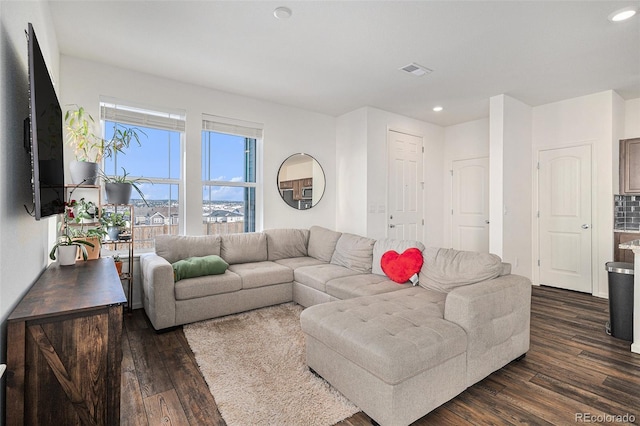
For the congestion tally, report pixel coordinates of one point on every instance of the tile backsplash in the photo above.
(627, 212)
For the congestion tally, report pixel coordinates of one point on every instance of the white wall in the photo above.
(286, 131)
(23, 241)
(517, 187)
(463, 141)
(578, 121)
(351, 172)
(632, 119)
(361, 154)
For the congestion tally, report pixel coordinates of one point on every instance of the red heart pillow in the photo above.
(401, 267)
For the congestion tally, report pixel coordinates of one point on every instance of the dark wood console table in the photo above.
(64, 348)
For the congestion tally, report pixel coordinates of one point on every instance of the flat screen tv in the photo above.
(45, 136)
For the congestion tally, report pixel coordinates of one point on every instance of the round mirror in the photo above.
(301, 181)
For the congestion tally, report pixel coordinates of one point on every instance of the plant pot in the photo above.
(92, 252)
(118, 193)
(67, 255)
(113, 232)
(84, 172)
(118, 267)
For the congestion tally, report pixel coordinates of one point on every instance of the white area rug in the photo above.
(254, 364)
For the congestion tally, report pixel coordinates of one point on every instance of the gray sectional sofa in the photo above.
(396, 350)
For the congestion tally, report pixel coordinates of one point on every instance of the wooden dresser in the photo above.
(64, 348)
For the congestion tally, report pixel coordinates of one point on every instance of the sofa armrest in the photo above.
(158, 291)
(495, 314)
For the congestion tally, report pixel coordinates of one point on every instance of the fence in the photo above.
(144, 235)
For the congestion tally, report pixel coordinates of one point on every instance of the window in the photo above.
(229, 177)
(157, 159)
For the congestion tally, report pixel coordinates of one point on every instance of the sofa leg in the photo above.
(521, 357)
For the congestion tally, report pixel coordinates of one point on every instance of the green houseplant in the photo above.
(66, 246)
(87, 146)
(118, 188)
(85, 213)
(113, 222)
(118, 262)
(90, 148)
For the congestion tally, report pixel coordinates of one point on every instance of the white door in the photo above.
(470, 205)
(564, 203)
(404, 186)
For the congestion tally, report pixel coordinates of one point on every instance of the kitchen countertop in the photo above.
(630, 245)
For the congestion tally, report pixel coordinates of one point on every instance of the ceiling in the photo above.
(333, 57)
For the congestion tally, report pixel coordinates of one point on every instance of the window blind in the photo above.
(133, 115)
(232, 126)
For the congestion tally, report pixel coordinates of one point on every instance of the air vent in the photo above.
(416, 69)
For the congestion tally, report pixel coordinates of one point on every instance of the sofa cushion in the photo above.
(322, 243)
(198, 266)
(354, 252)
(446, 269)
(394, 336)
(286, 243)
(316, 276)
(298, 262)
(361, 285)
(193, 288)
(260, 274)
(384, 245)
(178, 247)
(243, 248)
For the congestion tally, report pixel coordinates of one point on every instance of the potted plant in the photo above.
(118, 188)
(118, 262)
(90, 148)
(87, 146)
(113, 223)
(66, 247)
(84, 212)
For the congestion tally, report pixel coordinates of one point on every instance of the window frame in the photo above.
(247, 130)
(130, 114)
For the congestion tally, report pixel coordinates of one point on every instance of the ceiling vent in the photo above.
(416, 69)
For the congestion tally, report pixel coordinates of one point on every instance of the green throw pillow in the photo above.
(198, 267)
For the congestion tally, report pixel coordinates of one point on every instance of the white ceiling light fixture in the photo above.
(623, 14)
(437, 108)
(282, 12)
(416, 69)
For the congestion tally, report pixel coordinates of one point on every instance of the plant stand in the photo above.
(127, 273)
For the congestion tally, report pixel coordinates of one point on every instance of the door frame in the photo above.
(421, 180)
(535, 229)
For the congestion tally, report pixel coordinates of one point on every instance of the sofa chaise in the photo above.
(397, 351)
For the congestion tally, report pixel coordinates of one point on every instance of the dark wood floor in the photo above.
(572, 369)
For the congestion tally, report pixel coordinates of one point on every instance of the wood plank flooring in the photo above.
(573, 373)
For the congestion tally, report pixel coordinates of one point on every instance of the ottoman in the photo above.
(392, 354)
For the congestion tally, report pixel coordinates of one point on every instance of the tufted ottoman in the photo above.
(392, 354)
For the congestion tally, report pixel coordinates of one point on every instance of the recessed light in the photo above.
(437, 108)
(282, 12)
(623, 14)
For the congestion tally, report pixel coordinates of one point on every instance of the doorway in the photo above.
(564, 218)
(470, 204)
(404, 186)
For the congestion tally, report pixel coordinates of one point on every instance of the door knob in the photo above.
(585, 226)
(392, 226)
(486, 221)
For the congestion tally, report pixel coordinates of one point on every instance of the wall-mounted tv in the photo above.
(45, 140)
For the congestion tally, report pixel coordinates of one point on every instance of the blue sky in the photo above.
(159, 157)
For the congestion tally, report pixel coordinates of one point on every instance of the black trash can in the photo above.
(620, 323)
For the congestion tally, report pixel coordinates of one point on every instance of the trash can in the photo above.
(620, 323)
